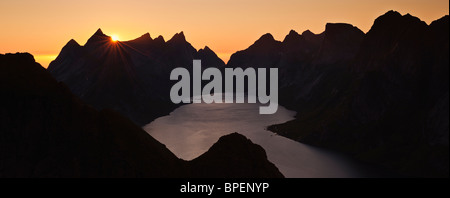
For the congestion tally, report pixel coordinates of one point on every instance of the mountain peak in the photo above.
(293, 35)
(393, 19)
(293, 32)
(178, 37)
(160, 39)
(394, 16)
(338, 26)
(267, 37)
(238, 149)
(412, 18)
(389, 17)
(392, 13)
(98, 36)
(307, 33)
(144, 37)
(72, 42)
(265, 40)
(206, 49)
(99, 32)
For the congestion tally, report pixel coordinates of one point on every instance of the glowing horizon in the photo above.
(42, 28)
(114, 37)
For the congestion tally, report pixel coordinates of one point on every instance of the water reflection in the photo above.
(192, 129)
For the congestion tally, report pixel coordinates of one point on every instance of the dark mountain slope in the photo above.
(236, 148)
(46, 131)
(389, 107)
(264, 53)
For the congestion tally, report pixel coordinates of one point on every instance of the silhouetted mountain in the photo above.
(239, 149)
(97, 40)
(131, 77)
(209, 58)
(341, 43)
(302, 47)
(309, 65)
(382, 97)
(142, 43)
(46, 131)
(263, 53)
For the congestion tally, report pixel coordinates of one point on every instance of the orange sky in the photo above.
(43, 27)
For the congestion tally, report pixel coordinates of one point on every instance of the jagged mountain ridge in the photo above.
(377, 96)
(131, 77)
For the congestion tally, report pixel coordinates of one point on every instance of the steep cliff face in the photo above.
(46, 131)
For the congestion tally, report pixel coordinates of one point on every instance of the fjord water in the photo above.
(192, 129)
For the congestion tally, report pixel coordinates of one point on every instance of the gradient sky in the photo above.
(43, 27)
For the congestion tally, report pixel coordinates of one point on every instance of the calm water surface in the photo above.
(192, 129)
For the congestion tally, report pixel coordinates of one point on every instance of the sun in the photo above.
(114, 38)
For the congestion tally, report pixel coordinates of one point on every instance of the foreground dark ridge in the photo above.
(46, 131)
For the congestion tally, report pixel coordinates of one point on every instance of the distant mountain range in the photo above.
(131, 77)
(380, 96)
(46, 131)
